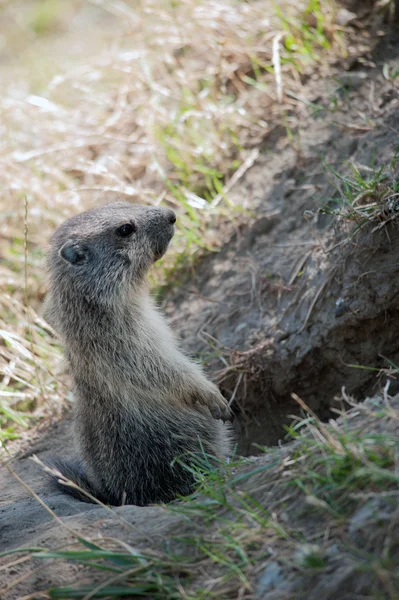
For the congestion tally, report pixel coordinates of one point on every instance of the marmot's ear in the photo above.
(75, 253)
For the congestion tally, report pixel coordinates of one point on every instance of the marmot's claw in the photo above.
(216, 412)
(215, 402)
(224, 413)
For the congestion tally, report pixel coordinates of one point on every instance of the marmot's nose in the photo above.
(170, 215)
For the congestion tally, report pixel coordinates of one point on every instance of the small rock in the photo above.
(344, 17)
(373, 511)
(240, 327)
(269, 580)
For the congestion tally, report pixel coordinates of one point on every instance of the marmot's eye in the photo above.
(126, 230)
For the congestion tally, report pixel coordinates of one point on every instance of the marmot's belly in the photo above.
(142, 459)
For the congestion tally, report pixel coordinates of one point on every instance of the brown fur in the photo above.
(141, 405)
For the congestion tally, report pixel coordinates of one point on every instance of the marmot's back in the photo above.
(142, 407)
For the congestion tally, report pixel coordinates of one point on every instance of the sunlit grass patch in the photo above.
(157, 102)
(169, 114)
(29, 359)
(309, 32)
(367, 195)
(347, 463)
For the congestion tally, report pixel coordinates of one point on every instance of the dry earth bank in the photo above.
(297, 302)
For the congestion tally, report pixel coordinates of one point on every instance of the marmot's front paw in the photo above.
(216, 403)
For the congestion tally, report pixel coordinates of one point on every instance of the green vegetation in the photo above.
(308, 33)
(367, 195)
(244, 515)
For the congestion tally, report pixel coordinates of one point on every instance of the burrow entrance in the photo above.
(348, 339)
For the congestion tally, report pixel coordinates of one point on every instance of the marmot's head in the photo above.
(104, 250)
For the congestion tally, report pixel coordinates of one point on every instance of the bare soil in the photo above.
(269, 299)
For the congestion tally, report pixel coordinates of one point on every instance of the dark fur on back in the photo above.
(141, 406)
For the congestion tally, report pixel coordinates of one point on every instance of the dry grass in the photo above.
(146, 101)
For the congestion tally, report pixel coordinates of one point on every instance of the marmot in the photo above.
(141, 406)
